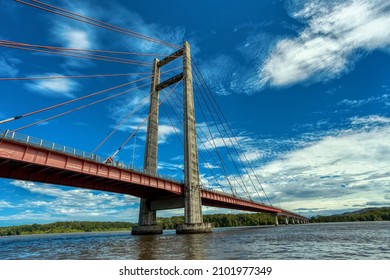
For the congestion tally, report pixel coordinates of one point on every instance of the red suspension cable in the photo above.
(79, 108)
(98, 23)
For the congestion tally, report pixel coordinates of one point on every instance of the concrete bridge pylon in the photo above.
(193, 218)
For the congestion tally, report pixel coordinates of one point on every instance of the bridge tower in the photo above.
(193, 219)
(147, 221)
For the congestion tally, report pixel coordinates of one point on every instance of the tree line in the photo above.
(377, 214)
(218, 220)
(223, 220)
(65, 227)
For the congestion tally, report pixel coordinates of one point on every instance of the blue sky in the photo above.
(305, 88)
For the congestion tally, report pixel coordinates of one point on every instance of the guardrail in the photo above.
(48, 145)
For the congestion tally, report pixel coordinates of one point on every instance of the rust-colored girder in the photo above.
(23, 161)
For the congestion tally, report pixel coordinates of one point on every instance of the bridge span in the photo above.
(31, 159)
(27, 158)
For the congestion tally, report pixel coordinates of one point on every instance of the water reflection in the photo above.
(191, 246)
(147, 246)
(196, 246)
(368, 240)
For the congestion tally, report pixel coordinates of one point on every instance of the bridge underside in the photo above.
(26, 162)
(49, 175)
(32, 163)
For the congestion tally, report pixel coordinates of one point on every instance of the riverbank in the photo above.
(65, 227)
(218, 221)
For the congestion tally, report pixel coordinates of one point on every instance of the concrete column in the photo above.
(151, 147)
(193, 219)
(147, 223)
(286, 220)
(276, 220)
(293, 221)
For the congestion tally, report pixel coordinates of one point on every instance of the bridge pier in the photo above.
(147, 221)
(276, 220)
(147, 229)
(286, 220)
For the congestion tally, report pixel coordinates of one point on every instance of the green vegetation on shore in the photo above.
(65, 227)
(368, 214)
(223, 220)
(218, 220)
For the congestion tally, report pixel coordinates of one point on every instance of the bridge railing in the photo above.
(15, 136)
(231, 195)
(48, 145)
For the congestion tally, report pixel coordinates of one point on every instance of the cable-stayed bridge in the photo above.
(29, 158)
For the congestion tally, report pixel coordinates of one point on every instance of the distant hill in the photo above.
(366, 214)
(365, 210)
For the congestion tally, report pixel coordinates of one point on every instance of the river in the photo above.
(361, 240)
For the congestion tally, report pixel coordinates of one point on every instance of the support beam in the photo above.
(276, 220)
(169, 82)
(286, 220)
(168, 203)
(147, 221)
(170, 58)
(193, 219)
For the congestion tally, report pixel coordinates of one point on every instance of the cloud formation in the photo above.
(64, 203)
(336, 35)
(8, 66)
(351, 168)
(54, 87)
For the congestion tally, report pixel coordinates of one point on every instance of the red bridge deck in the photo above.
(31, 159)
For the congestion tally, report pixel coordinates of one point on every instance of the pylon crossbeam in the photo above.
(170, 58)
(169, 82)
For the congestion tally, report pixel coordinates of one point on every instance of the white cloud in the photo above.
(328, 47)
(76, 38)
(210, 166)
(350, 169)
(5, 204)
(251, 155)
(72, 203)
(164, 131)
(236, 73)
(219, 73)
(370, 120)
(54, 87)
(218, 142)
(131, 20)
(72, 34)
(171, 166)
(8, 66)
(384, 99)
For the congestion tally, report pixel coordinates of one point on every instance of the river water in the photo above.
(362, 240)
